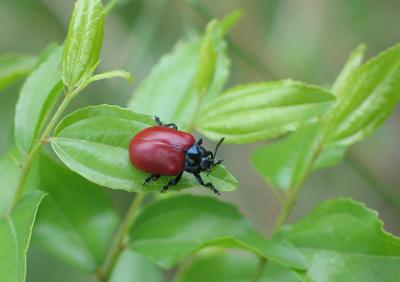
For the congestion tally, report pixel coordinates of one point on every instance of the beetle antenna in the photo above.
(216, 148)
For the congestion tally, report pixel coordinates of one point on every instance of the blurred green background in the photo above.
(300, 39)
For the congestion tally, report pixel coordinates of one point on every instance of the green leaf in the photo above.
(37, 96)
(254, 112)
(222, 72)
(168, 91)
(229, 21)
(94, 142)
(10, 173)
(284, 161)
(368, 99)
(207, 61)
(132, 267)
(111, 74)
(352, 66)
(14, 67)
(217, 266)
(161, 233)
(169, 86)
(15, 230)
(344, 241)
(76, 220)
(84, 41)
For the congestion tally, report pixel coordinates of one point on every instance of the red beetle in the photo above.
(161, 150)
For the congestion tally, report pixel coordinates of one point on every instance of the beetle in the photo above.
(165, 150)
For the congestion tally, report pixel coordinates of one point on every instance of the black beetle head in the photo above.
(207, 163)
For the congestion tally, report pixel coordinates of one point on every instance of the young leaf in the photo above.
(207, 61)
(161, 233)
(220, 266)
(344, 241)
(134, 267)
(229, 21)
(13, 67)
(94, 142)
(255, 112)
(37, 89)
(368, 99)
(282, 163)
(168, 91)
(352, 66)
(84, 41)
(67, 224)
(222, 72)
(111, 74)
(15, 230)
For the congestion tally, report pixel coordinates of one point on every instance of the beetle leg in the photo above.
(166, 125)
(209, 184)
(151, 177)
(172, 182)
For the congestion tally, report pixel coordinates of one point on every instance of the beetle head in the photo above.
(207, 163)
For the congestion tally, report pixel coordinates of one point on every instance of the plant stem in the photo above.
(36, 149)
(259, 269)
(191, 125)
(294, 192)
(119, 244)
(385, 192)
(288, 204)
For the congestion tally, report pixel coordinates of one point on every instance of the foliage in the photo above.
(73, 218)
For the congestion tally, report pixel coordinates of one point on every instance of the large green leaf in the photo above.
(217, 266)
(344, 241)
(168, 91)
(94, 142)
(283, 162)
(37, 96)
(132, 267)
(76, 220)
(84, 41)
(13, 67)
(254, 112)
(367, 99)
(168, 230)
(10, 173)
(15, 230)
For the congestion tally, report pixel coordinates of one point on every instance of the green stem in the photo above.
(191, 126)
(25, 170)
(294, 192)
(385, 192)
(119, 243)
(288, 204)
(260, 267)
(36, 149)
